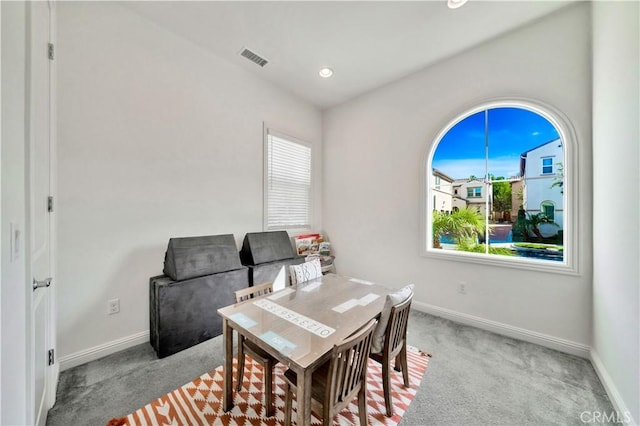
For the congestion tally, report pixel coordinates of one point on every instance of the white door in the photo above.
(40, 142)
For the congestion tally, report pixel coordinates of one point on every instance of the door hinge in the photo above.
(49, 204)
(52, 358)
(51, 51)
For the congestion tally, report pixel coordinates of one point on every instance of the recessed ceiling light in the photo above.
(325, 72)
(454, 4)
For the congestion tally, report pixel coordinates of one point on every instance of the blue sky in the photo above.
(512, 131)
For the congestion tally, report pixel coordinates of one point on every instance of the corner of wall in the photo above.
(621, 410)
(100, 351)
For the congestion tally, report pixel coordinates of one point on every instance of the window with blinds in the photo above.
(287, 182)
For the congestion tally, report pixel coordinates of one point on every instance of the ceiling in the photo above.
(367, 44)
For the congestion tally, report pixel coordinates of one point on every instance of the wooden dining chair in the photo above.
(247, 347)
(255, 291)
(394, 347)
(335, 383)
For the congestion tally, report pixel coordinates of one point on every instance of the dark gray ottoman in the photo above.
(201, 275)
(266, 253)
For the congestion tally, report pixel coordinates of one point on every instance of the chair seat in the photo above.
(257, 353)
(380, 358)
(377, 357)
(318, 380)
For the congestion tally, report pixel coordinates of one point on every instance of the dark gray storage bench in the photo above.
(266, 253)
(201, 275)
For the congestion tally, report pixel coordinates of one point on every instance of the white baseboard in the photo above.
(91, 354)
(541, 339)
(616, 399)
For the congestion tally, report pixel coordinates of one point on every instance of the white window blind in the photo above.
(288, 182)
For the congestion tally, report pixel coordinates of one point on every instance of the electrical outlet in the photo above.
(462, 287)
(113, 306)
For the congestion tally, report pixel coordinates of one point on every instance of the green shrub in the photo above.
(472, 247)
(539, 246)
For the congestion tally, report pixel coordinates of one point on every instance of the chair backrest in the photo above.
(255, 291)
(396, 330)
(306, 271)
(348, 368)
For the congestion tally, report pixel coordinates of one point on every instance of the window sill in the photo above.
(566, 267)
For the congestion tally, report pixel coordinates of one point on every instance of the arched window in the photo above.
(506, 167)
(548, 209)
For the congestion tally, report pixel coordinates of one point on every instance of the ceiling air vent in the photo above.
(253, 57)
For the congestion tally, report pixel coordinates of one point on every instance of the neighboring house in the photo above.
(442, 192)
(472, 193)
(459, 202)
(540, 167)
(451, 195)
(517, 190)
(517, 196)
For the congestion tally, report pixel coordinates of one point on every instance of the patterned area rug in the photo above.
(199, 402)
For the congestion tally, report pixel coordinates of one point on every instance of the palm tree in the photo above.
(463, 224)
(533, 220)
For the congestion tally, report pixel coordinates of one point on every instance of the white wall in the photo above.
(157, 138)
(14, 291)
(372, 212)
(616, 232)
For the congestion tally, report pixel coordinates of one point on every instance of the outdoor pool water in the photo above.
(502, 234)
(541, 254)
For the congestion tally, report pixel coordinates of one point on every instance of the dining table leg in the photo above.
(227, 386)
(304, 397)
